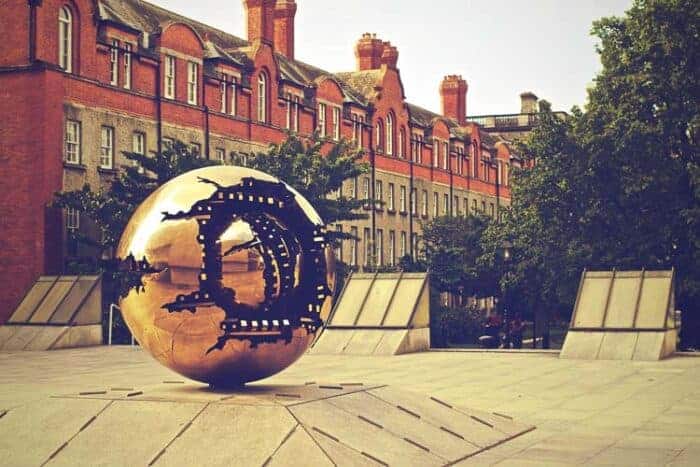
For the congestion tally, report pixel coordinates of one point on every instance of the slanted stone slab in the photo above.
(582, 345)
(364, 341)
(299, 450)
(31, 434)
(332, 341)
(22, 337)
(618, 345)
(46, 337)
(649, 346)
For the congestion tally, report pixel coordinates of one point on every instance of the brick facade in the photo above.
(436, 157)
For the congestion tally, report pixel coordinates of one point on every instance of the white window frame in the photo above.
(222, 94)
(378, 194)
(127, 65)
(336, 123)
(220, 154)
(391, 253)
(353, 246)
(196, 148)
(288, 117)
(424, 206)
(446, 156)
(106, 147)
(402, 143)
(403, 244)
(402, 198)
(321, 117)
(73, 138)
(192, 82)
(390, 198)
(445, 204)
(414, 201)
(114, 63)
(436, 203)
(65, 39)
(169, 77)
(72, 219)
(233, 88)
(380, 247)
(436, 154)
(262, 97)
(365, 189)
(138, 146)
(389, 137)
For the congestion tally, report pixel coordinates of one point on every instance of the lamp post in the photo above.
(506, 254)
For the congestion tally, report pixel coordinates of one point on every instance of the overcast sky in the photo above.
(501, 47)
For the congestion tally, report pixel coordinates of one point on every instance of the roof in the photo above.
(363, 82)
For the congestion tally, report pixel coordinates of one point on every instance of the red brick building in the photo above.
(83, 80)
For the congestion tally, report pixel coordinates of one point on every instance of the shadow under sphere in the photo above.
(233, 275)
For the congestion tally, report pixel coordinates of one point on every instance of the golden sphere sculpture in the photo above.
(229, 272)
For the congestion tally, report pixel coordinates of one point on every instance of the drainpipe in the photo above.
(32, 29)
(372, 183)
(410, 190)
(449, 168)
(159, 104)
(206, 118)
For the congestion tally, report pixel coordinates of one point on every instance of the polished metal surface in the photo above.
(234, 275)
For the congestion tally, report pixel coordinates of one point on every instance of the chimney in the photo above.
(369, 52)
(453, 92)
(390, 55)
(260, 15)
(284, 27)
(528, 103)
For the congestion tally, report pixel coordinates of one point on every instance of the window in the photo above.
(365, 190)
(465, 206)
(322, 120)
(220, 154)
(167, 143)
(72, 219)
(460, 159)
(222, 93)
(107, 147)
(336, 123)
(65, 39)
(192, 77)
(436, 206)
(455, 206)
(436, 154)
(445, 204)
(483, 207)
(402, 143)
(262, 97)
(486, 171)
(424, 204)
(390, 198)
(353, 246)
(414, 244)
(353, 188)
(138, 146)
(379, 130)
(474, 206)
(446, 156)
(169, 77)
(339, 244)
(492, 211)
(414, 195)
(402, 245)
(402, 199)
(380, 247)
(378, 195)
(114, 63)
(391, 253)
(72, 148)
(357, 121)
(195, 149)
(233, 88)
(368, 247)
(389, 134)
(288, 119)
(127, 66)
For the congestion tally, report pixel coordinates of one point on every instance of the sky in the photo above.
(501, 47)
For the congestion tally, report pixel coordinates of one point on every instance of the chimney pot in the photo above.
(453, 93)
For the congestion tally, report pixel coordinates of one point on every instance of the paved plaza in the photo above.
(585, 412)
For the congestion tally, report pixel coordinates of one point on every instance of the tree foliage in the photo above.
(615, 185)
(317, 171)
(452, 248)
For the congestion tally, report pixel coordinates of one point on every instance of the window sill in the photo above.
(74, 166)
(391, 211)
(403, 213)
(106, 171)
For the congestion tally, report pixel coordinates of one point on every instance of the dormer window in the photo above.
(65, 39)
(192, 78)
(114, 63)
(379, 131)
(402, 143)
(321, 120)
(389, 135)
(127, 66)
(336, 123)
(169, 85)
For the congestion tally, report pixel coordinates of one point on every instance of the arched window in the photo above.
(380, 135)
(389, 135)
(402, 143)
(65, 39)
(262, 97)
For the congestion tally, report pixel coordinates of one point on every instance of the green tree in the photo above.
(617, 184)
(317, 170)
(452, 248)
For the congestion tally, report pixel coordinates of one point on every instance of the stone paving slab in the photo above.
(648, 411)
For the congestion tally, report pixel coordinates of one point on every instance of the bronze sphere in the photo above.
(231, 275)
